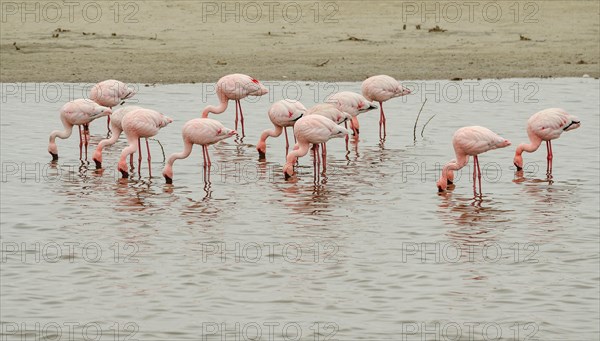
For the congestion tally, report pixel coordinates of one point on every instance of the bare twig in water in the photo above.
(422, 130)
(417, 120)
(161, 148)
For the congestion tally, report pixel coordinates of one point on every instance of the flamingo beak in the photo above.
(168, 180)
(297, 118)
(98, 164)
(124, 174)
(518, 168)
(54, 156)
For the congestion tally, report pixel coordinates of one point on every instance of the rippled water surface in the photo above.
(369, 251)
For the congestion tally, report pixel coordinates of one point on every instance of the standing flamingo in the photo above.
(470, 141)
(283, 114)
(313, 129)
(115, 123)
(202, 131)
(110, 93)
(353, 104)
(79, 112)
(137, 124)
(382, 88)
(545, 125)
(235, 87)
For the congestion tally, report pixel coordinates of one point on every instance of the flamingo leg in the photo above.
(242, 118)
(204, 156)
(549, 157)
(86, 138)
(479, 175)
(324, 153)
(236, 114)
(287, 143)
(108, 126)
(80, 143)
(314, 152)
(208, 157)
(139, 150)
(131, 160)
(347, 138)
(381, 121)
(475, 175)
(149, 158)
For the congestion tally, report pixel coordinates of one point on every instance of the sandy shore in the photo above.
(199, 41)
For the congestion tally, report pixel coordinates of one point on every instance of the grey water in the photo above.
(369, 250)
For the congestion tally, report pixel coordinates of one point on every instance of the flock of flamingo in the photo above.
(313, 126)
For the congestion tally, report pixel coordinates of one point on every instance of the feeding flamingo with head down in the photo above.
(545, 125)
(382, 88)
(110, 93)
(470, 141)
(115, 123)
(202, 131)
(283, 114)
(235, 87)
(137, 124)
(79, 112)
(311, 129)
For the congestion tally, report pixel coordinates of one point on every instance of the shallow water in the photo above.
(369, 251)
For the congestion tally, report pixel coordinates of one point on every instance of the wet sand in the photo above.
(189, 41)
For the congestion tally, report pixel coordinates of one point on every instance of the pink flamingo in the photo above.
(115, 123)
(283, 114)
(332, 112)
(545, 125)
(235, 87)
(382, 88)
(353, 104)
(470, 141)
(202, 131)
(137, 124)
(110, 93)
(313, 129)
(79, 112)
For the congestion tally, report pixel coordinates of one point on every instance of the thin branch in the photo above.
(422, 130)
(417, 120)
(161, 148)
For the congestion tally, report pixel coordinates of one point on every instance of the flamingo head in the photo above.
(446, 178)
(368, 107)
(98, 157)
(288, 170)
(403, 91)
(53, 150)
(574, 124)
(339, 131)
(123, 169)
(502, 143)
(168, 174)
(518, 161)
(261, 147)
(164, 121)
(100, 111)
(256, 88)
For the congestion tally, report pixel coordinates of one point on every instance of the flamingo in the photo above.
(313, 129)
(330, 111)
(283, 114)
(202, 131)
(115, 123)
(79, 112)
(137, 124)
(353, 104)
(110, 93)
(470, 141)
(382, 88)
(235, 87)
(545, 125)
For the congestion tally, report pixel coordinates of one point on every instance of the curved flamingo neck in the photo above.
(216, 109)
(116, 133)
(271, 133)
(454, 165)
(295, 154)
(132, 148)
(63, 134)
(187, 150)
(531, 147)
